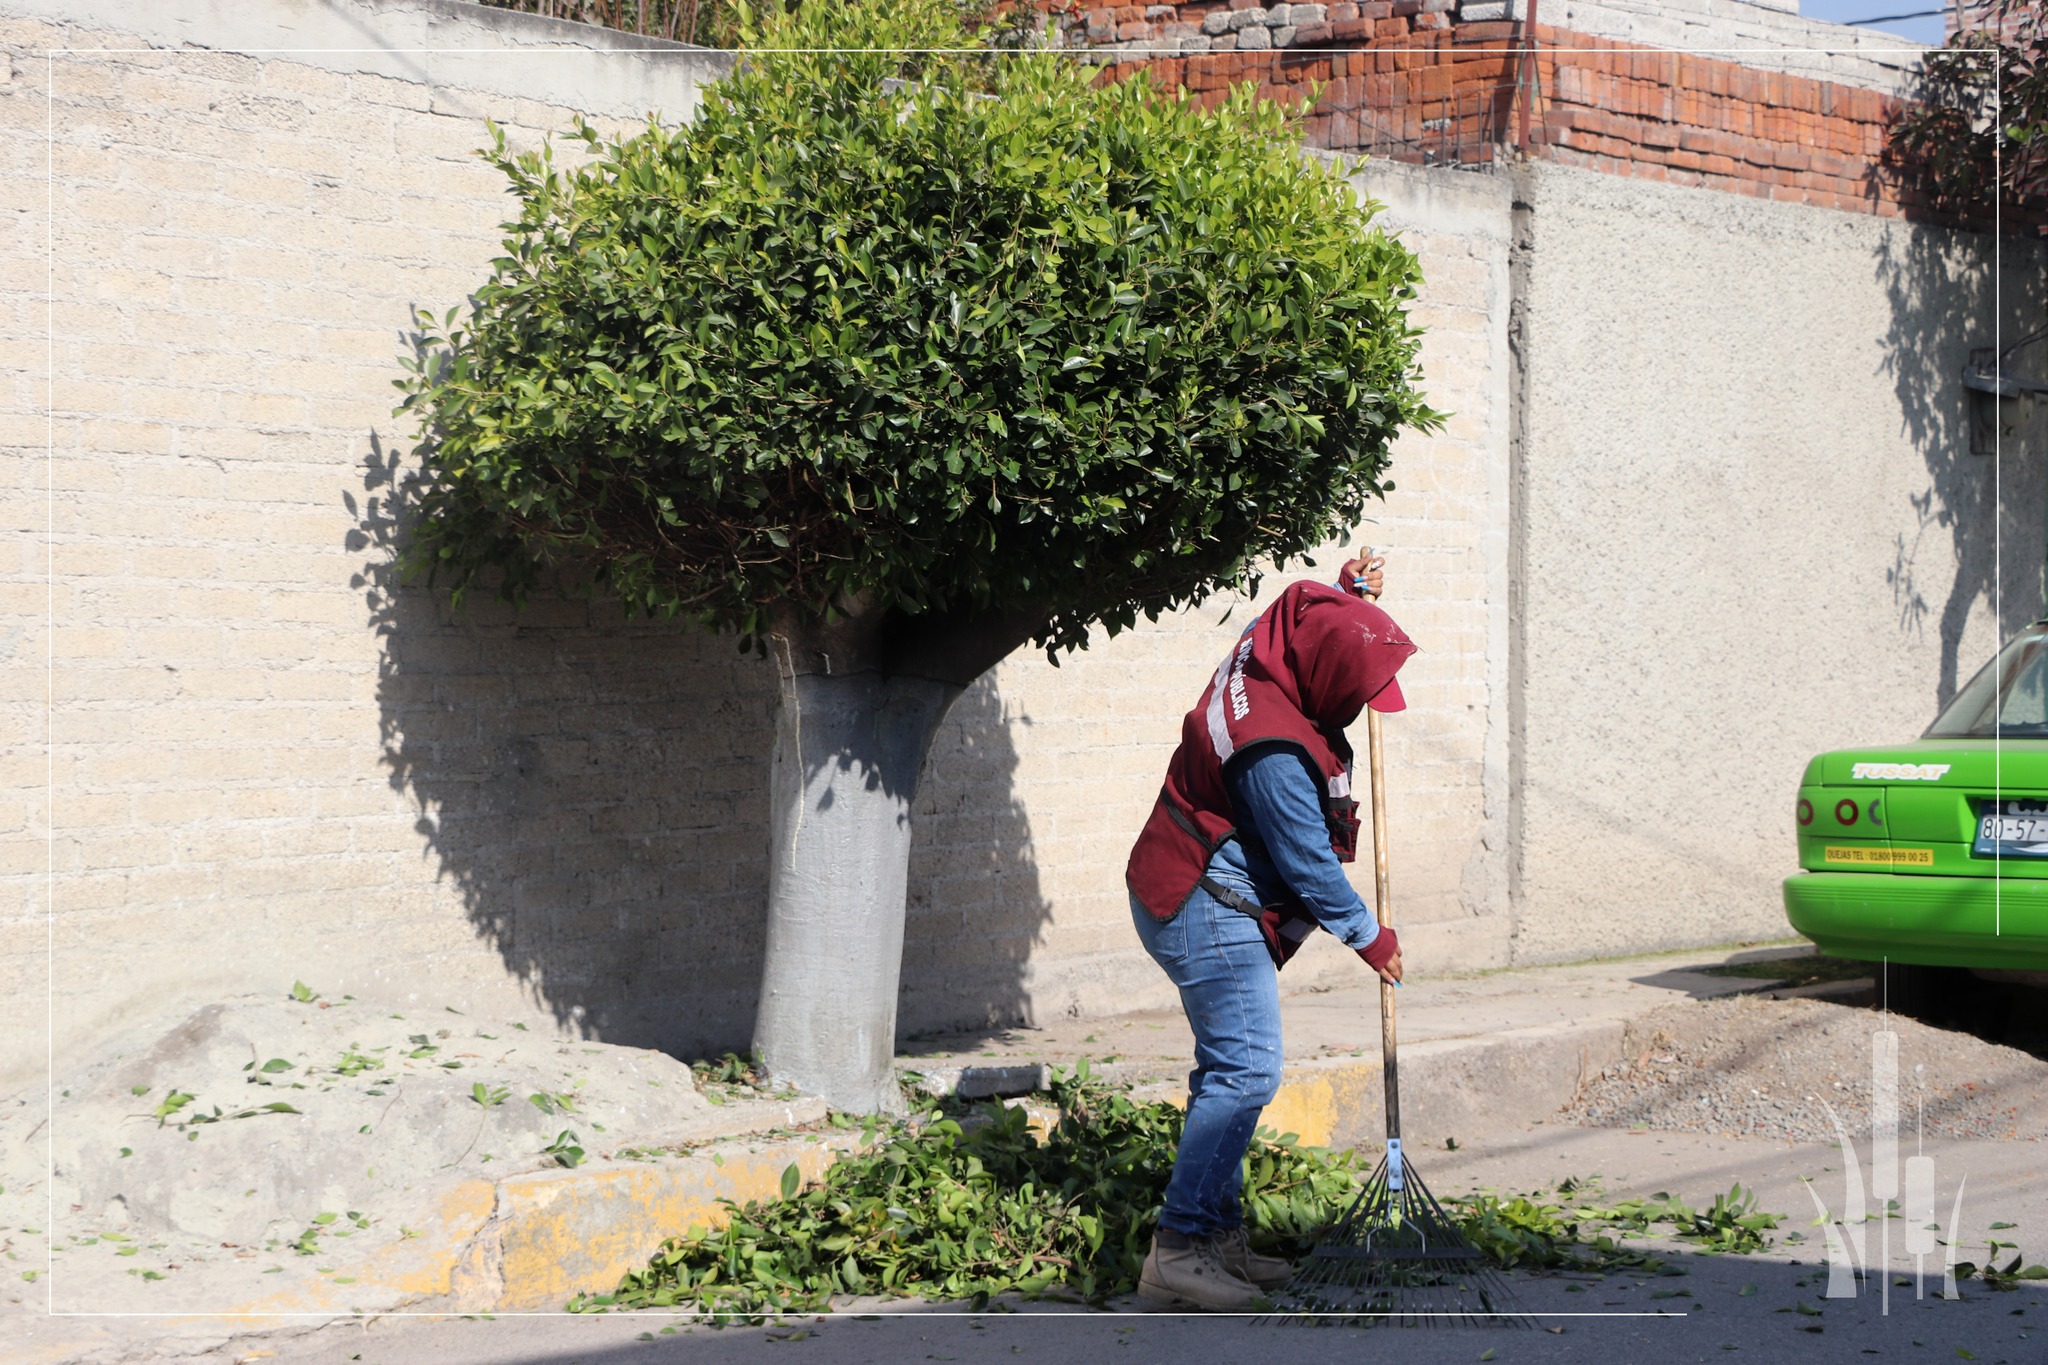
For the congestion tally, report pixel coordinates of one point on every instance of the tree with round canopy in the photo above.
(897, 356)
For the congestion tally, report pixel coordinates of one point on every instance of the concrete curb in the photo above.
(531, 1242)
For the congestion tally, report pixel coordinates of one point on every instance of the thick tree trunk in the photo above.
(848, 749)
(860, 703)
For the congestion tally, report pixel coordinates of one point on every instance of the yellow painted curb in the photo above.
(561, 1233)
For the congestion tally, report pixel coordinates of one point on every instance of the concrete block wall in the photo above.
(269, 761)
(1748, 529)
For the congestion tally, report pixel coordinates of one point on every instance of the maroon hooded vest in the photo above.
(1298, 675)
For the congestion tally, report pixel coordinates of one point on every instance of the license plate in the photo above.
(2011, 829)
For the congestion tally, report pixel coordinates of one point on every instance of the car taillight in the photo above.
(1845, 811)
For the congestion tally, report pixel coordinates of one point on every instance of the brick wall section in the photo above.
(1397, 71)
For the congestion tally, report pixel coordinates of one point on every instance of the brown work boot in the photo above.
(1267, 1272)
(1188, 1272)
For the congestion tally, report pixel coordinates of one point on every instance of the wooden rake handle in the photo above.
(1375, 762)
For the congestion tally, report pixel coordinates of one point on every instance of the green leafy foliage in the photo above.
(1569, 1230)
(564, 1149)
(354, 1062)
(1978, 131)
(949, 1210)
(172, 1103)
(1002, 336)
(2003, 1277)
(952, 1209)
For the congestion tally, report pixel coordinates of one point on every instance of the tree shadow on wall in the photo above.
(594, 790)
(1944, 301)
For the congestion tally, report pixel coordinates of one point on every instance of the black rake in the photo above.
(1395, 1257)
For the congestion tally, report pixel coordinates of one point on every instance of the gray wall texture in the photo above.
(1747, 530)
(1701, 509)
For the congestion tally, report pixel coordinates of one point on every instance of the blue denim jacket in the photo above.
(1275, 801)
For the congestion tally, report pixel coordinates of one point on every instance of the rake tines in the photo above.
(1396, 1257)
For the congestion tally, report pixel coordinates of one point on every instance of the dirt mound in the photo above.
(1753, 1067)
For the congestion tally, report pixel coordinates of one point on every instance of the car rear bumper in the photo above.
(1940, 921)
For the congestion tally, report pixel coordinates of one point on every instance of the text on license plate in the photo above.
(2013, 829)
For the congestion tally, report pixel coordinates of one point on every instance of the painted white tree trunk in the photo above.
(848, 750)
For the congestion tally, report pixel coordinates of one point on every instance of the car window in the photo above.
(2008, 697)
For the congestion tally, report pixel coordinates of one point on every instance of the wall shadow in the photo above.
(1944, 295)
(976, 910)
(594, 789)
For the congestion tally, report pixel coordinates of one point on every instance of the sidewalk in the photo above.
(1478, 1054)
(1472, 1048)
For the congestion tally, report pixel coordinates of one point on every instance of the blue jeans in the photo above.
(1231, 993)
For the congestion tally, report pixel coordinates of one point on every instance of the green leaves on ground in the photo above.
(176, 1101)
(730, 1077)
(1006, 337)
(959, 1210)
(355, 1062)
(490, 1097)
(1568, 1230)
(1995, 1276)
(564, 1149)
(969, 1207)
(172, 1103)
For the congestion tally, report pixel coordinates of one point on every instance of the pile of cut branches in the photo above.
(968, 1206)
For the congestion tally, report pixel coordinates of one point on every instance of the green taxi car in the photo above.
(1934, 853)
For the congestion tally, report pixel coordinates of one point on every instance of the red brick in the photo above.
(1662, 136)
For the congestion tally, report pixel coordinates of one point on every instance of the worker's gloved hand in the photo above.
(1383, 954)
